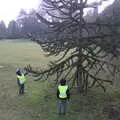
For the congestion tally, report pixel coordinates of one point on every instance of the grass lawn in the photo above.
(39, 101)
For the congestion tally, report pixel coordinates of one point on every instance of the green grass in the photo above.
(39, 102)
(21, 53)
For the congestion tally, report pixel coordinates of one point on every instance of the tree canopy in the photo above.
(88, 47)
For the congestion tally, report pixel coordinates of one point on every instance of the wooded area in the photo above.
(25, 23)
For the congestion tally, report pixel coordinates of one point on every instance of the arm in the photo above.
(18, 82)
(58, 93)
(68, 94)
(25, 73)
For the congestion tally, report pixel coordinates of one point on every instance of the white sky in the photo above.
(9, 9)
(104, 4)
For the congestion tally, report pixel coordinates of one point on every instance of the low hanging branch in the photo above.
(86, 47)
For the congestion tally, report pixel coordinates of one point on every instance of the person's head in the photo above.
(63, 82)
(18, 72)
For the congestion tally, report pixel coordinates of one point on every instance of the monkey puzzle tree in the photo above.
(84, 48)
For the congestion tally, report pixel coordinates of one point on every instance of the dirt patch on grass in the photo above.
(1, 66)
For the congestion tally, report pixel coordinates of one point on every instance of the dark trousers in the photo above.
(62, 106)
(21, 89)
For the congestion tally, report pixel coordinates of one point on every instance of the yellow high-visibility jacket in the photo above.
(62, 91)
(21, 78)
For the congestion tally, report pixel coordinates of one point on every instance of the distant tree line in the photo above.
(28, 23)
(25, 23)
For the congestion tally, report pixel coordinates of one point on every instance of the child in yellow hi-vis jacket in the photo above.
(21, 81)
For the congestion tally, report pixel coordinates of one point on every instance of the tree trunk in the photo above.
(79, 75)
(79, 81)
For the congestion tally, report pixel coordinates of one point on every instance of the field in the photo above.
(39, 101)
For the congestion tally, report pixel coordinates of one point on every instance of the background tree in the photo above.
(25, 23)
(29, 23)
(3, 30)
(13, 30)
(112, 14)
(88, 47)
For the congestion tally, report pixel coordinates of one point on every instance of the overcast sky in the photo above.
(9, 9)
